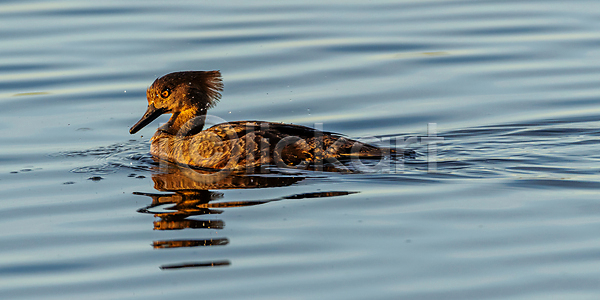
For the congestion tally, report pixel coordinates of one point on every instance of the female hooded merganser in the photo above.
(234, 145)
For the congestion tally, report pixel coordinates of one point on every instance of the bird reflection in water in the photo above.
(190, 196)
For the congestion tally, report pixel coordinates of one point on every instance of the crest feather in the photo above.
(214, 86)
(206, 85)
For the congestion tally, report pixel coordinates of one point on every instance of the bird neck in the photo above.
(185, 123)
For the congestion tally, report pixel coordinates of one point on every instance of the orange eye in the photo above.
(165, 93)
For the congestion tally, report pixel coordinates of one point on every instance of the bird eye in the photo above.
(165, 93)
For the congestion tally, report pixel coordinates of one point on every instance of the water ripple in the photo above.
(510, 209)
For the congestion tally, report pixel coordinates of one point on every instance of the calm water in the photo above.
(512, 211)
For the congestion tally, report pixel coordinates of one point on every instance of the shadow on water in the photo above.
(191, 196)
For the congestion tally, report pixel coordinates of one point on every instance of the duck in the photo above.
(188, 95)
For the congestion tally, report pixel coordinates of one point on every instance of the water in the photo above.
(511, 211)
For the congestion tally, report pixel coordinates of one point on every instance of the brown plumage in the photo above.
(234, 145)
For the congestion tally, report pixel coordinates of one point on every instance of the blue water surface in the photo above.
(508, 211)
